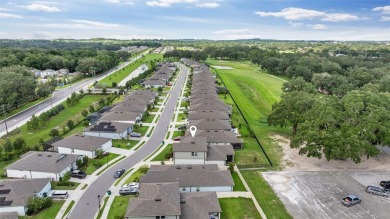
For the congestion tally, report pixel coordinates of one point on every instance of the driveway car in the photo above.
(128, 191)
(135, 134)
(377, 191)
(78, 174)
(119, 173)
(350, 200)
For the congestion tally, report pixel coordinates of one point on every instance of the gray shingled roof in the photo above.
(155, 200)
(190, 144)
(119, 116)
(208, 114)
(189, 175)
(196, 205)
(219, 152)
(48, 162)
(21, 189)
(217, 136)
(82, 142)
(109, 127)
(211, 124)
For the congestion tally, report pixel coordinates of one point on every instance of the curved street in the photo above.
(87, 206)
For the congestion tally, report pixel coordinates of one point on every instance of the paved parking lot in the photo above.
(318, 194)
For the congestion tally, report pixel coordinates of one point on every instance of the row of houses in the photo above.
(161, 76)
(188, 189)
(215, 139)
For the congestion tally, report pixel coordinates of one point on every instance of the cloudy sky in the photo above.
(196, 19)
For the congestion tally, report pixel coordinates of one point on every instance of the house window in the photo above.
(194, 154)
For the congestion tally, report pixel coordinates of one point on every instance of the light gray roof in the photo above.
(211, 124)
(208, 114)
(219, 152)
(195, 205)
(189, 175)
(48, 162)
(217, 136)
(155, 199)
(82, 142)
(119, 116)
(109, 127)
(20, 190)
(190, 144)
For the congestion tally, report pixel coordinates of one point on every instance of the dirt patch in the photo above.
(295, 162)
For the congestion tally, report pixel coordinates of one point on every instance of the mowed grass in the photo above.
(59, 121)
(238, 208)
(121, 74)
(119, 206)
(255, 92)
(265, 196)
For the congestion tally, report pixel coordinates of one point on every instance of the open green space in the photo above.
(50, 212)
(122, 73)
(124, 143)
(238, 185)
(161, 156)
(254, 92)
(238, 208)
(265, 196)
(54, 186)
(22, 108)
(119, 206)
(59, 121)
(95, 164)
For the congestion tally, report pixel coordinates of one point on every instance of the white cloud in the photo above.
(208, 5)
(317, 26)
(120, 2)
(295, 24)
(340, 17)
(385, 18)
(384, 9)
(305, 14)
(41, 7)
(7, 15)
(231, 31)
(293, 14)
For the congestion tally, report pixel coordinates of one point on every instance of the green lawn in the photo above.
(92, 168)
(123, 143)
(55, 187)
(238, 208)
(160, 156)
(119, 206)
(121, 74)
(238, 185)
(141, 129)
(59, 121)
(265, 196)
(22, 108)
(50, 212)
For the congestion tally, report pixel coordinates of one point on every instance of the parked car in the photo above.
(128, 191)
(377, 191)
(384, 183)
(59, 195)
(119, 173)
(350, 200)
(133, 185)
(78, 174)
(135, 134)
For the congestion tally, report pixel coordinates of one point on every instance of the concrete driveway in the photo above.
(317, 194)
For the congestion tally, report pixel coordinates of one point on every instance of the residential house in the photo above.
(164, 200)
(14, 194)
(82, 145)
(191, 178)
(113, 130)
(35, 164)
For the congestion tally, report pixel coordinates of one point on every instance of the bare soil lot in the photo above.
(317, 194)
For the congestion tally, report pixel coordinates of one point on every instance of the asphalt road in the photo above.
(58, 96)
(87, 206)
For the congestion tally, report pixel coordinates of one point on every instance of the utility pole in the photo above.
(5, 120)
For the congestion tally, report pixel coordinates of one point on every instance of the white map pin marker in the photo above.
(193, 130)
